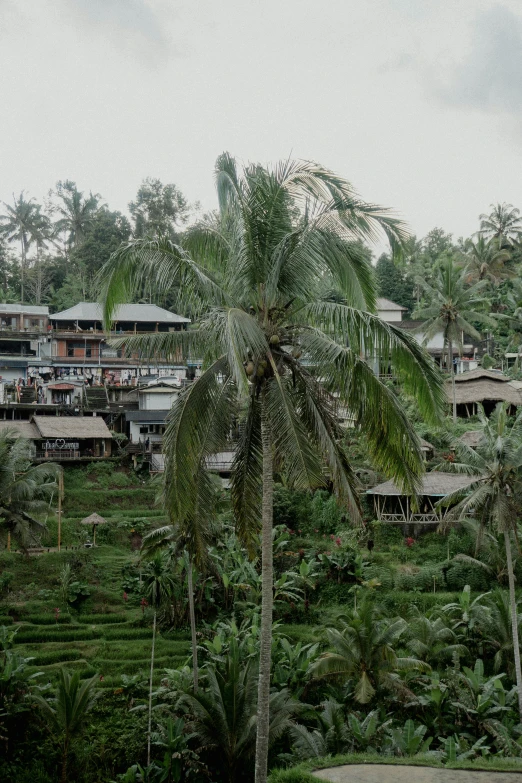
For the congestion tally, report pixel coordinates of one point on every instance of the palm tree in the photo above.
(192, 536)
(24, 222)
(222, 716)
(254, 271)
(486, 260)
(157, 585)
(503, 223)
(365, 652)
(431, 640)
(495, 467)
(25, 490)
(75, 212)
(452, 307)
(68, 710)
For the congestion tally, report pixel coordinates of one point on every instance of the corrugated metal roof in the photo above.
(139, 313)
(16, 309)
(71, 427)
(434, 484)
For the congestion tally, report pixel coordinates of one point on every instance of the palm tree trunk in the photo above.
(192, 615)
(150, 686)
(65, 757)
(452, 371)
(22, 272)
(267, 600)
(514, 619)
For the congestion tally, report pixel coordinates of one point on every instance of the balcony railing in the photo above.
(59, 455)
(413, 519)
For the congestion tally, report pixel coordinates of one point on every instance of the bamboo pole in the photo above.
(60, 493)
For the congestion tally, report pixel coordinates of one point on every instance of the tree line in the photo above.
(51, 252)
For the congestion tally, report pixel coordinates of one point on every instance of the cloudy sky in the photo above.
(417, 102)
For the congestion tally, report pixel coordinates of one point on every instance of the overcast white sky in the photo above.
(417, 102)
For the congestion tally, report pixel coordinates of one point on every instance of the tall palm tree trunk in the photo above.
(267, 600)
(514, 619)
(150, 686)
(192, 615)
(452, 371)
(65, 759)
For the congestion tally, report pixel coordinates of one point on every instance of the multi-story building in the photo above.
(63, 364)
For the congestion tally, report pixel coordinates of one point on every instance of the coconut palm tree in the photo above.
(25, 490)
(193, 539)
(365, 652)
(503, 223)
(255, 271)
(25, 223)
(75, 212)
(66, 713)
(493, 496)
(486, 260)
(453, 306)
(157, 586)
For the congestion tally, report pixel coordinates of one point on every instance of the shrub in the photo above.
(458, 575)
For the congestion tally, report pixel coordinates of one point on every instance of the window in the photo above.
(70, 350)
(88, 351)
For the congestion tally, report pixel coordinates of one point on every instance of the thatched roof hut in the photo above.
(392, 505)
(482, 386)
(94, 520)
(434, 484)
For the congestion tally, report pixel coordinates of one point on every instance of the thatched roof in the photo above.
(93, 519)
(498, 390)
(426, 445)
(473, 375)
(23, 429)
(434, 484)
(71, 427)
(471, 438)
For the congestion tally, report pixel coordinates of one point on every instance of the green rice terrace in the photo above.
(83, 610)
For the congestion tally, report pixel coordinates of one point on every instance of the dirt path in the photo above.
(386, 773)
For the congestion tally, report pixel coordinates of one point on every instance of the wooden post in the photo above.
(8, 540)
(94, 535)
(60, 492)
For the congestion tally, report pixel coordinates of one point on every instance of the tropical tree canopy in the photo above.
(255, 272)
(25, 489)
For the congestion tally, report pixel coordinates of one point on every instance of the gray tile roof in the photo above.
(154, 417)
(16, 309)
(387, 304)
(139, 313)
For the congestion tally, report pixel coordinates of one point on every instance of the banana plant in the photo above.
(408, 740)
(291, 663)
(367, 731)
(456, 748)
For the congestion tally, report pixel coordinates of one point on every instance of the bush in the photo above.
(458, 575)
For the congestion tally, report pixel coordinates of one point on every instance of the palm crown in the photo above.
(256, 271)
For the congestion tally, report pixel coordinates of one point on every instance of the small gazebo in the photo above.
(392, 505)
(94, 520)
